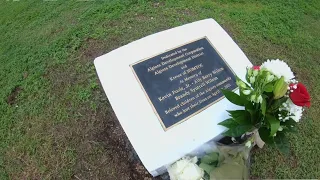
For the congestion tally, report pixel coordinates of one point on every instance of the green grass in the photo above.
(60, 124)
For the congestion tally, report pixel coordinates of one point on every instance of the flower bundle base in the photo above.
(226, 162)
(273, 103)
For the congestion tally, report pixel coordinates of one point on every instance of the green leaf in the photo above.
(241, 116)
(206, 167)
(239, 80)
(268, 87)
(263, 106)
(274, 124)
(229, 123)
(233, 97)
(253, 116)
(253, 113)
(262, 76)
(249, 105)
(210, 158)
(290, 126)
(238, 131)
(282, 143)
(277, 103)
(289, 123)
(265, 136)
(291, 129)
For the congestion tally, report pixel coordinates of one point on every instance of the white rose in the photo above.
(185, 169)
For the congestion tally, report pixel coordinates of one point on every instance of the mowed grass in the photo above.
(56, 122)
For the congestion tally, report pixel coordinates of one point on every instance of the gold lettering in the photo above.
(187, 101)
(196, 67)
(207, 76)
(224, 81)
(197, 55)
(194, 105)
(176, 91)
(175, 77)
(154, 67)
(164, 97)
(186, 109)
(197, 87)
(160, 71)
(211, 80)
(178, 114)
(172, 109)
(193, 51)
(187, 93)
(216, 93)
(217, 70)
(190, 77)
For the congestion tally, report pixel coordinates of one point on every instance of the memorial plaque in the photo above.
(184, 81)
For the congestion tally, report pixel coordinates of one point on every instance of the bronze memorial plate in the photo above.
(183, 81)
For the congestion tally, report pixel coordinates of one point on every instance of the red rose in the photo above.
(300, 95)
(256, 67)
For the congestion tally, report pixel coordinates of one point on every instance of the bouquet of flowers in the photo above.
(273, 102)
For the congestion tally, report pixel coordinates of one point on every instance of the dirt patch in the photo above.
(187, 12)
(103, 150)
(101, 147)
(62, 78)
(93, 48)
(12, 98)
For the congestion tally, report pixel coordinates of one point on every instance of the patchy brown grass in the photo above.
(102, 149)
(11, 100)
(93, 48)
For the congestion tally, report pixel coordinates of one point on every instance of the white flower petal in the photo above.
(185, 169)
(294, 111)
(279, 68)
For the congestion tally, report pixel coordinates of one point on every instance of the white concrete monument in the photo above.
(165, 89)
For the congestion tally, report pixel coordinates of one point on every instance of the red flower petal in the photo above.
(308, 104)
(256, 67)
(300, 95)
(303, 89)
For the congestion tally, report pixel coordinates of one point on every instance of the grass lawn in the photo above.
(55, 120)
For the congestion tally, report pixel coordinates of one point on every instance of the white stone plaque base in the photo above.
(155, 147)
